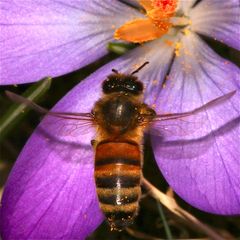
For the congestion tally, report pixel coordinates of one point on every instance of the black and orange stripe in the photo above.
(118, 176)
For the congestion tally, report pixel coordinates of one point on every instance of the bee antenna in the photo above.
(138, 69)
(115, 71)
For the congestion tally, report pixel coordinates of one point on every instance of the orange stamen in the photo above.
(157, 24)
(141, 30)
(162, 10)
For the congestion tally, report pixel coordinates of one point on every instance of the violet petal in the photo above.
(51, 38)
(51, 192)
(219, 20)
(203, 167)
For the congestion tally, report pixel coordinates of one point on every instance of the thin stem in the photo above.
(172, 205)
(165, 224)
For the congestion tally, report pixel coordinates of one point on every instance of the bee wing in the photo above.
(68, 127)
(67, 115)
(211, 104)
(186, 123)
(68, 123)
(178, 127)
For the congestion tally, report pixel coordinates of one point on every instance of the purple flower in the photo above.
(50, 193)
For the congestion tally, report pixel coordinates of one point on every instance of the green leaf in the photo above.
(16, 112)
(120, 48)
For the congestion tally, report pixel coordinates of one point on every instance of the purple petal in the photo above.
(51, 38)
(219, 20)
(203, 168)
(51, 192)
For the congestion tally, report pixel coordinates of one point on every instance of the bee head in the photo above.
(127, 83)
(122, 83)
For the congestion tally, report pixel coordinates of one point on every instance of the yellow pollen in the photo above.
(186, 31)
(157, 23)
(178, 46)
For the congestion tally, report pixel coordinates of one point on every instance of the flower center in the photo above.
(161, 16)
(165, 5)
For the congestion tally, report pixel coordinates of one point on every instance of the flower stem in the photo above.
(165, 224)
(172, 205)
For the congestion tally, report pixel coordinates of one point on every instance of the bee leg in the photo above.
(93, 143)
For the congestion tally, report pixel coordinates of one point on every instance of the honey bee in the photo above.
(120, 117)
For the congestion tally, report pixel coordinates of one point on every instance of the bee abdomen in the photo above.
(118, 176)
(120, 206)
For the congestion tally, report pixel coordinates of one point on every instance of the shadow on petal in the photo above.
(192, 148)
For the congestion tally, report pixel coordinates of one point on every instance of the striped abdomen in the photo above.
(117, 176)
